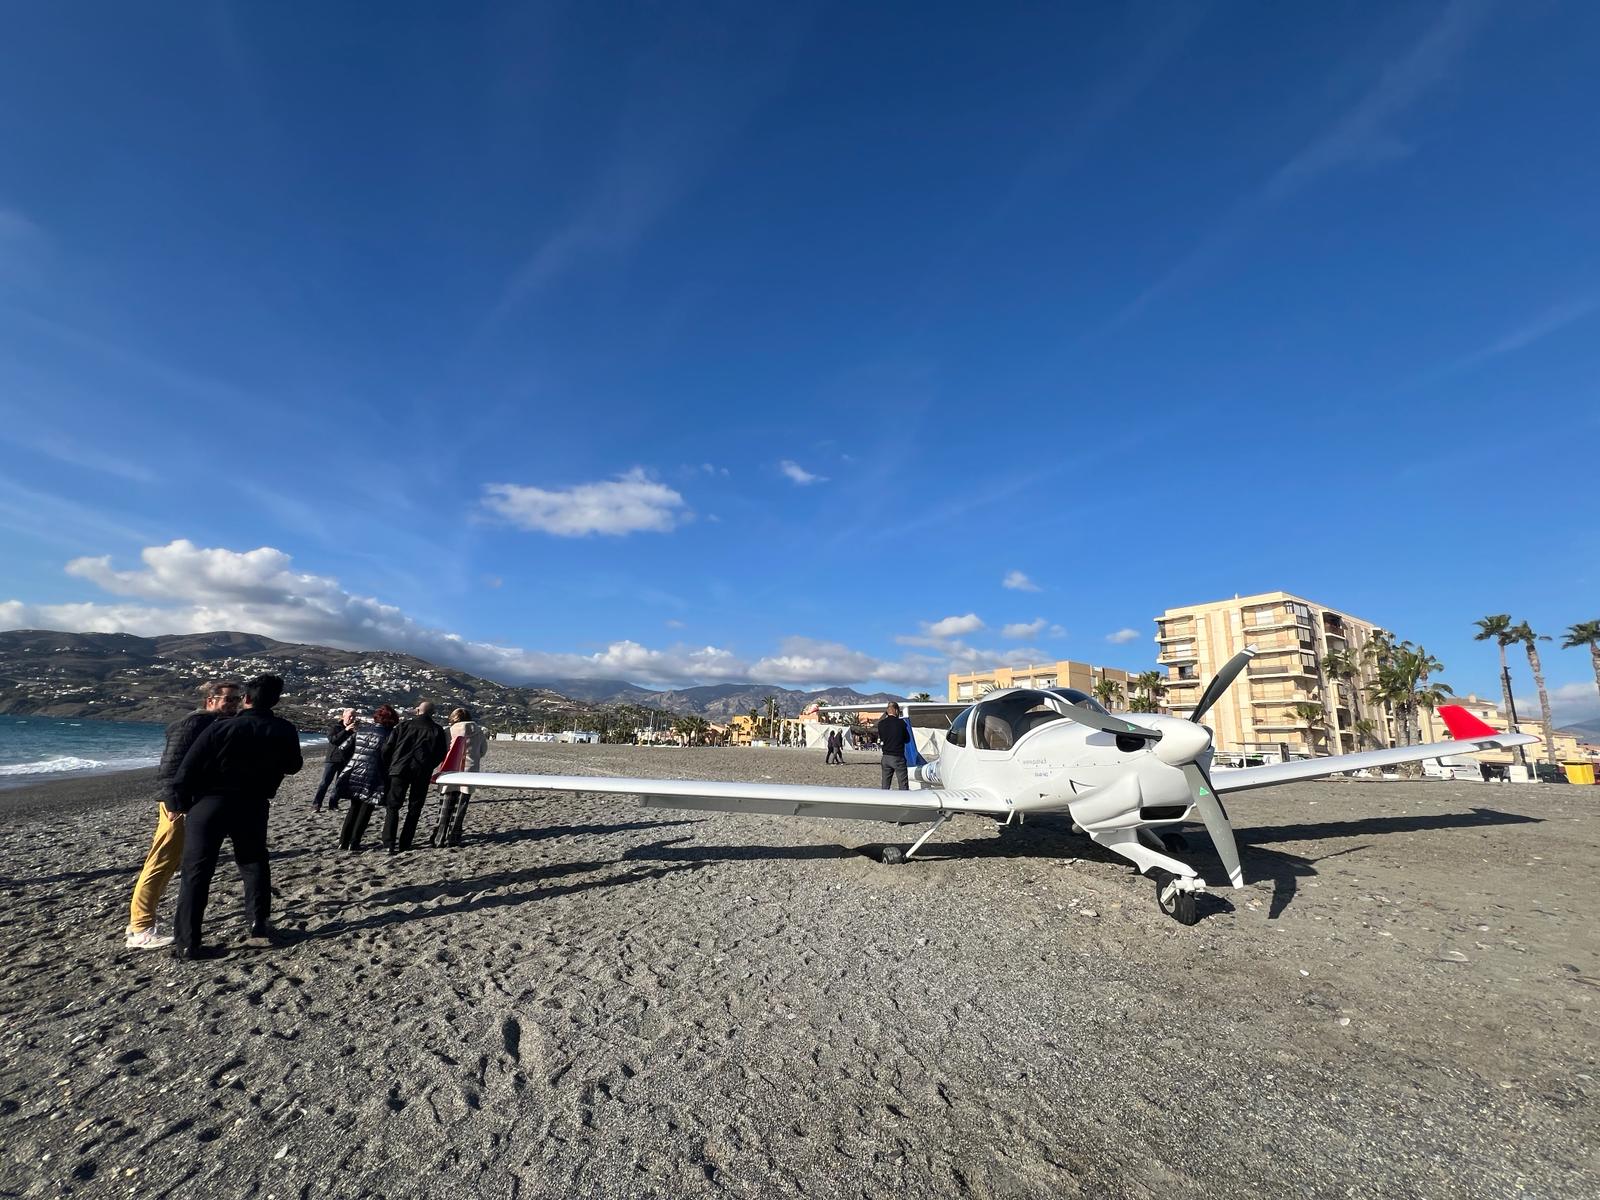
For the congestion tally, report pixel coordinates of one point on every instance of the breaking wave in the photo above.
(68, 764)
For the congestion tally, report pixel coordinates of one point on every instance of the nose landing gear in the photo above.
(1175, 896)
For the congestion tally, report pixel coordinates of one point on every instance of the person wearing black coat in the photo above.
(341, 745)
(224, 786)
(893, 735)
(410, 757)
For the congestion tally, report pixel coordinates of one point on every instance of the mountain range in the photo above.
(120, 677)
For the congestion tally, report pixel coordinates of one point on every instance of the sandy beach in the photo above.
(593, 998)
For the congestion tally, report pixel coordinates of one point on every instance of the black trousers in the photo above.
(355, 824)
(412, 792)
(329, 770)
(452, 819)
(244, 823)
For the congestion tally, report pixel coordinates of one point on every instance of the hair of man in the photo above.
(264, 691)
(894, 709)
(425, 708)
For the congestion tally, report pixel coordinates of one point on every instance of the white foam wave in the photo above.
(65, 764)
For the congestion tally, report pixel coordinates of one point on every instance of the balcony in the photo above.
(1164, 634)
(1178, 654)
(1281, 670)
(1292, 698)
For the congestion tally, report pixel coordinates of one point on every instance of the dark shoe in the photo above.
(316, 808)
(264, 938)
(198, 953)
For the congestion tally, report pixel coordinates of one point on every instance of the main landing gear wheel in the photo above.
(1179, 905)
(893, 856)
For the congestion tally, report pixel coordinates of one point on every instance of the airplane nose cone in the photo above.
(1181, 741)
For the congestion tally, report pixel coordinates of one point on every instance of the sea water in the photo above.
(37, 748)
(34, 749)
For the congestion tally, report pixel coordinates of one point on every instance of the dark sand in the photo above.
(597, 999)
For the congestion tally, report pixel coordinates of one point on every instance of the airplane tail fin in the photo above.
(1463, 726)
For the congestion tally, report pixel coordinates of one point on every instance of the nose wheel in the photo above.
(1175, 896)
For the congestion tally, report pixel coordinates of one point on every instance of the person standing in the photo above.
(893, 736)
(218, 700)
(409, 757)
(225, 785)
(474, 744)
(362, 781)
(341, 745)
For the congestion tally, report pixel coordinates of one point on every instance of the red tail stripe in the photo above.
(1463, 726)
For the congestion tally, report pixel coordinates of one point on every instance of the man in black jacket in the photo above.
(341, 745)
(225, 784)
(416, 747)
(219, 700)
(893, 734)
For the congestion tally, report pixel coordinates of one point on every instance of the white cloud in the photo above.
(1018, 582)
(1569, 703)
(1024, 629)
(799, 474)
(953, 626)
(1123, 636)
(673, 623)
(807, 660)
(631, 503)
(1058, 631)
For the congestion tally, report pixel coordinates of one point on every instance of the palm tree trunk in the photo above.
(1544, 704)
(1594, 657)
(1521, 754)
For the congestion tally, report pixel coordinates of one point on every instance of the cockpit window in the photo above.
(1074, 696)
(957, 736)
(1000, 721)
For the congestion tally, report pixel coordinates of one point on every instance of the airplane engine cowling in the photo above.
(1115, 806)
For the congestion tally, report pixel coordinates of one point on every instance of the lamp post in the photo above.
(1522, 753)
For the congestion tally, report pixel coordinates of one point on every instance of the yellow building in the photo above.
(1293, 637)
(1040, 675)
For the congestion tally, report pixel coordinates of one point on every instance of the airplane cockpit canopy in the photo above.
(1074, 696)
(1001, 719)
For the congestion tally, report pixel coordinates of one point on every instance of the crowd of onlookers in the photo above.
(221, 767)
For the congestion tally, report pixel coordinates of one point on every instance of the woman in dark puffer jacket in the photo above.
(362, 781)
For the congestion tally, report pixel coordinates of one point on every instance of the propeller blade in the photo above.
(1211, 812)
(1220, 681)
(1085, 715)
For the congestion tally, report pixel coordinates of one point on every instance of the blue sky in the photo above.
(705, 342)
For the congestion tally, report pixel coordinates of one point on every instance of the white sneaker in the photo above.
(147, 939)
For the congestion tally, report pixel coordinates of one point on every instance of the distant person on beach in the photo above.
(409, 760)
(217, 700)
(468, 738)
(341, 745)
(362, 782)
(225, 784)
(835, 746)
(893, 735)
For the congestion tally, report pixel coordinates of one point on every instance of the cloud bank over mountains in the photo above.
(184, 588)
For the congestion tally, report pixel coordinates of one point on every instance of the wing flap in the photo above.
(1244, 779)
(777, 799)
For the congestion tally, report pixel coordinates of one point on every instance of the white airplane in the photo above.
(1123, 779)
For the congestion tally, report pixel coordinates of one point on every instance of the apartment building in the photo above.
(1064, 673)
(1293, 636)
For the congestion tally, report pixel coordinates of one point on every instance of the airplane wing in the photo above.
(923, 714)
(776, 799)
(1471, 739)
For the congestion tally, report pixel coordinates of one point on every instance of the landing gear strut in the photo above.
(893, 854)
(1175, 896)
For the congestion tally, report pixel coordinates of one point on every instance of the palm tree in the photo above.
(1343, 667)
(1585, 634)
(1376, 653)
(1366, 731)
(771, 705)
(1108, 692)
(1498, 627)
(921, 696)
(1148, 689)
(1524, 633)
(1314, 717)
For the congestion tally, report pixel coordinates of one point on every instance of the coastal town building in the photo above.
(1062, 673)
(1293, 637)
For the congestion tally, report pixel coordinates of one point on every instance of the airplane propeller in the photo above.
(1105, 723)
(1200, 787)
